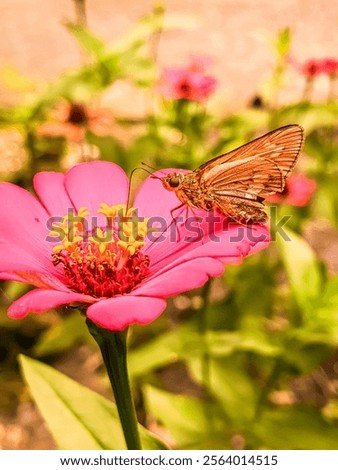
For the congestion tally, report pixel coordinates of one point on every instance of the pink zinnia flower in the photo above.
(188, 83)
(311, 68)
(330, 66)
(72, 120)
(119, 272)
(298, 191)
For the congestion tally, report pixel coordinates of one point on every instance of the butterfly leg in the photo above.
(197, 229)
(174, 221)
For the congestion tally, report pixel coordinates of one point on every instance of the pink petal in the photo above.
(5, 276)
(50, 188)
(23, 231)
(90, 184)
(37, 279)
(232, 241)
(191, 266)
(260, 245)
(42, 280)
(118, 313)
(40, 300)
(18, 259)
(186, 276)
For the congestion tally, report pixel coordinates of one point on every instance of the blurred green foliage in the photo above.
(273, 319)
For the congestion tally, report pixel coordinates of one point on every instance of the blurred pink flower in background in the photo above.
(311, 68)
(297, 192)
(330, 66)
(188, 82)
(72, 120)
(120, 280)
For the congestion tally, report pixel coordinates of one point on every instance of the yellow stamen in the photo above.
(128, 232)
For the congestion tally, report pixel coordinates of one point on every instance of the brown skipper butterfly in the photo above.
(237, 182)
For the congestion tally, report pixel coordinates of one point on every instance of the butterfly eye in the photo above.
(174, 182)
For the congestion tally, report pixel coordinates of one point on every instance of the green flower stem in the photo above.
(308, 89)
(81, 13)
(271, 380)
(332, 88)
(205, 357)
(30, 144)
(113, 346)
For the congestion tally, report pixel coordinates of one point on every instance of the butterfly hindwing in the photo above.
(240, 207)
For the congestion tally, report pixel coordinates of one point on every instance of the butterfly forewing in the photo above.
(261, 165)
(250, 177)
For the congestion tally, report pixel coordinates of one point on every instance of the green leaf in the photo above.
(254, 276)
(109, 147)
(77, 417)
(296, 428)
(225, 343)
(189, 420)
(231, 385)
(62, 336)
(13, 290)
(283, 42)
(329, 299)
(310, 115)
(326, 201)
(311, 343)
(306, 354)
(87, 40)
(185, 343)
(165, 349)
(155, 353)
(13, 79)
(322, 147)
(303, 269)
(325, 323)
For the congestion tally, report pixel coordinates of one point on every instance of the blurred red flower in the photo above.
(297, 192)
(72, 120)
(103, 261)
(188, 83)
(330, 66)
(310, 68)
(313, 67)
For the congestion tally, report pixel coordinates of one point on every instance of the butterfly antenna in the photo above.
(152, 168)
(130, 179)
(129, 189)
